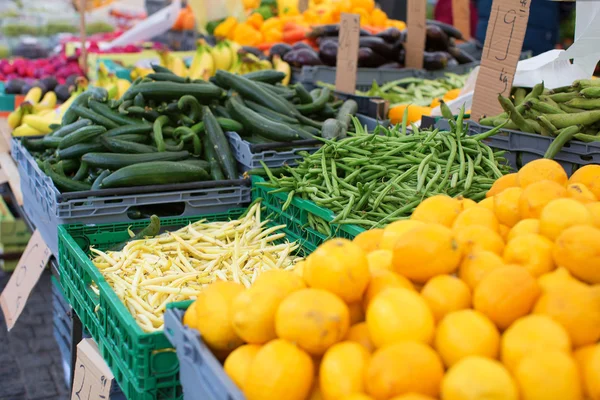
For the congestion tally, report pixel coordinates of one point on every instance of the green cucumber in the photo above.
(70, 115)
(210, 154)
(273, 115)
(63, 183)
(160, 69)
(122, 146)
(333, 129)
(98, 93)
(69, 166)
(346, 112)
(172, 91)
(303, 94)
(155, 173)
(118, 118)
(33, 144)
(129, 129)
(198, 162)
(194, 108)
(221, 112)
(278, 91)
(98, 181)
(81, 135)
(51, 141)
(115, 161)
(217, 139)
(167, 77)
(76, 151)
(66, 129)
(94, 117)
(267, 75)
(82, 172)
(317, 105)
(139, 100)
(131, 137)
(158, 135)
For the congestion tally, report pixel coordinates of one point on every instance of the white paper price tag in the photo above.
(93, 379)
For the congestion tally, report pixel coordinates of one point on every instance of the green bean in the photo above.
(470, 173)
(287, 203)
(563, 137)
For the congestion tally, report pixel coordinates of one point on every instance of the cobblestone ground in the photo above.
(30, 362)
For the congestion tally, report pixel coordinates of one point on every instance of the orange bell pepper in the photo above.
(415, 113)
(256, 20)
(451, 94)
(365, 16)
(378, 18)
(367, 5)
(226, 28)
(294, 36)
(272, 35)
(246, 35)
(272, 23)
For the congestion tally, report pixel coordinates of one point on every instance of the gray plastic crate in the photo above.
(524, 147)
(47, 208)
(275, 155)
(201, 374)
(364, 76)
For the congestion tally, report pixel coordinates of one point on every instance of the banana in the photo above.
(47, 103)
(203, 65)
(33, 96)
(122, 86)
(179, 67)
(26, 130)
(222, 56)
(284, 67)
(41, 123)
(233, 48)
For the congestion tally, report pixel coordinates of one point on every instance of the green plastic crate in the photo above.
(144, 364)
(297, 215)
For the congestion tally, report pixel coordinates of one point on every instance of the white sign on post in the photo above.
(24, 278)
(93, 378)
(501, 52)
(347, 59)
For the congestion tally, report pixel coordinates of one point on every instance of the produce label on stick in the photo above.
(345, 77)
(503, 44)
(461, 17)
(93, 378)
(302, 5)
(416, 31)
(24, 278)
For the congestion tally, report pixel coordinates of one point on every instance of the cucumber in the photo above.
(268, 76)
(221, 112)
(129, 129)
(132, 137)
(198, 162)
(115, 161)
(82, 172)
(157, 130)
(118, 118)
(160, 69)
(279, 91)
(172, 91)
(155, 173)
(167, 77)
(273, 115)
(190, 103)
(94, 117)
(317, 105)
(33, 144)
(333, 129)
(139, 100)
(228, 125)
(81, 135)
(76, 151)
(303, 94)
(66, 129)
(149, 231)
(98, 93)
(80, 101)
(51, 141)
(69, 166)
(219, 142)
(63, 183)
(98, 181)
(346, 112)
(122, 146)
(210, 154)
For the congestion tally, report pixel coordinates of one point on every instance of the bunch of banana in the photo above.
(35, 115)
(174, 63)
(250, 63)
(139, 72)
(203, 64)
(115, 86)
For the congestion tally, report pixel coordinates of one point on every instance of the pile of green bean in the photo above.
(570, 112)
(374, 179)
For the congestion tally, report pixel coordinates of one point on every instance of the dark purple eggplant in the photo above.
(379, 46)
(330, 30)
(280, 49)
(301, 57)
(402, 57)
(448, 29)
(391, 65)
(437, 40)
(252, 50)
(390, 35)
(461, 56)
(452, 62)
(367, 58)
(328, 52)
(434, 61)
(301, 45)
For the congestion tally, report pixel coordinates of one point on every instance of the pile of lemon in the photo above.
(492, 300)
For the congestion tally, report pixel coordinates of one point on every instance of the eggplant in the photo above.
(280, 49)
(391, 35)
(437, 40)
(379, 46)
(14, 86)
(448, 29)
(452, 62)
(62, 93)
(50, 82)
(391, 65)
(301, 45)
(328, 52)
(300, 57)
(252, 50)
(434, 61)
(330, 30)
(369, 58)
(460, 55)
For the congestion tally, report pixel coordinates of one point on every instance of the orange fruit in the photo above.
(465, 203)
(287, 281)
(506, 294)
(357, 313)
(504, 182)
(487, 203)
(312, 318)
(559, 279)
(425, 252)
(340, 267)
(581, 193)
(476, 265)
(190, 317)
(369, 240)
(478, 237)
(548, 374)
(280, 370)
(582, 357)
(535, 197)
(439, 209)
(506, 206)
(299, 268)
(342, 370)
(541, 169)
(381, 280)
(356, 396)
(399, 314)
(380, 260)
(412, 396)
(531, 251)
(591, 374)
(315, 393)
(522, 227)
(503, 231)
(446, 293)
(466, 333)
(594, 209)
(253, 313)
(530, 334)
(476, 378)
(476, 216)
(237, 364)
(213, 313)
(578, 250)
(393, 231)
(402, 368)
(359, 333)
(588, 175)
(561, 214)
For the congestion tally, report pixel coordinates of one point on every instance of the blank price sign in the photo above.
(416, 32)
(24, 278)
(93, 379)
(461, 17)
(503, 44)
(347, 59)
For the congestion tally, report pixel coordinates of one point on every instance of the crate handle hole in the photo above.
(160, 210)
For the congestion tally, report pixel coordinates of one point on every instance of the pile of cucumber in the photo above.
(167, 129)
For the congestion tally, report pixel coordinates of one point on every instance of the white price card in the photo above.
(93, 378)
(347, 59)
